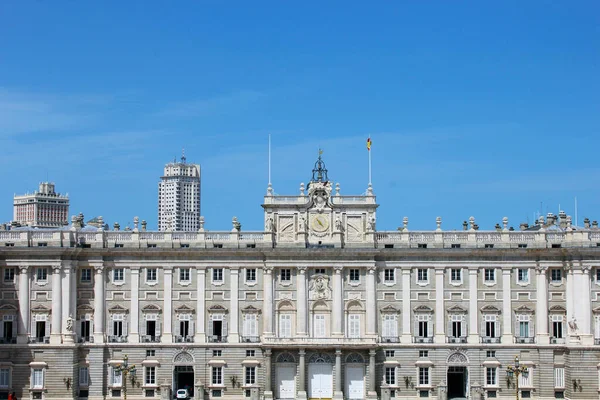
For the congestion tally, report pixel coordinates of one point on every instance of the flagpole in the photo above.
(269, 159)
(369, 167)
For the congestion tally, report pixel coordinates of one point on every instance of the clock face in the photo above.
(320, 223)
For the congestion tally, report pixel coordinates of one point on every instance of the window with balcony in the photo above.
(184, 330)
(151, 328)
(118, 328)
(319, 326)
(524, 330)
(285, 325)
(457, 328)
(217, 328)
(389, 328)
(558, 328)
(250, 327)
(8, 329)
(490, 329)
(84, 331)
(423, 329)
(354, 325)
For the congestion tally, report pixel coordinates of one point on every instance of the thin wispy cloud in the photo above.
(218, 105)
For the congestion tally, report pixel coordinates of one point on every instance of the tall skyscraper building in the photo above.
(179, 197)
(43, 209)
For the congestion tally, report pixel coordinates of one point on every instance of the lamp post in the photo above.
(125, 369)
(515, 371)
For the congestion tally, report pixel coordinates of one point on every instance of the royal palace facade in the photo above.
(319, 305)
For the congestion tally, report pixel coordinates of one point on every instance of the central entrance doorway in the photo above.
(457, 383)
(320, 377)
(183, 378)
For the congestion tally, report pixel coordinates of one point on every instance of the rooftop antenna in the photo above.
(576, 211)
(183, 155)
(269, 160)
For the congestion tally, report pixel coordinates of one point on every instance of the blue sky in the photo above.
(488, 109)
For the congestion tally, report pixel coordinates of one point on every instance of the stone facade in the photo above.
(319, 305)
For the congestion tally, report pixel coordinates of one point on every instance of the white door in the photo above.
(320, 384)
(355, 382)
(286, 383)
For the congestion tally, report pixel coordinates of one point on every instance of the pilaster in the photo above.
(371, 304)
(301, 325)
(67, 312)
(507, 334)
(338, 308)
(56, 327)
(234, 334)
(200, 336)
(337, 393)
(134, 336)
(24, 284)
(473, 309)
(268, 373)
(99, 304)
(372, 390)
(167, 333)
(302, 374)
(268, 301)
(542, 336)
(406, 321)
(439, 306)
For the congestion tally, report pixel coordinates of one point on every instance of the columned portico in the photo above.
(24, 283)
(167, 334)
(473, 309)
(302, 303)
(99, 304)
(234, 333)
(268, 301)
(55, 330)
(371, 307)
(439, 306)
(338, 308)
(200, 306)
(134, 336)
(542, 306)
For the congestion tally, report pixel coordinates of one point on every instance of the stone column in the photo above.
(338, 394)
(268, 301)
(406, 325)
(302, 303)
(541, 310)
(24, 325)
(583, 305)
(268, 372)
(372, 393)
(67, 311)
(473, 309)
(55, 330)
(338, 303)
(234, 334)
(371, 305)
(439, 306)
(167, 335)
(99, 305)
(302, 374)
(200, 336)
(507, 334)
(134, 329)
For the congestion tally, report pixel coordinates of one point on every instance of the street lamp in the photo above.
(125, 369)
(515, 371)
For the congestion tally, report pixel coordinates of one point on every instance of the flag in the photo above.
(369, 144)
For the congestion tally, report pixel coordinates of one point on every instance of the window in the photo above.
(217, 375)
(250, 325)
(251, 275)
(250, 353)
(354, 275)
(390, 353)
(597, 275)
(490, 326)
(490, 353)
(217, 353)
(491, 376)
(522, 245)
(150, 353)
(4, 378)
(421, 245)
(423, 326)
(524, 326)
(116, 379)
(319, 326)
(320, 271)
(423, 376)
(557, 326)
(489, 275)
(151, 275)
(86, 275)
(9, 275)
(118, 275)
(217, 274)
(250, 378)
(42, 274)
(423, 353)
(388, 275)
(119, 327)
(455, 246)
(285, 325)
(523, 275)
(353, 326)
(84, 377)
(556, 275)
(150, 376)
(37, 378)
(455, 275)
(390, 326)
(457, 327)
(285, 275)
(559, 377)
(390, 375)
(184, 275)
(422, 275)
(488, 246)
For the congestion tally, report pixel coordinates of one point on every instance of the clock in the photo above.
(320, 223)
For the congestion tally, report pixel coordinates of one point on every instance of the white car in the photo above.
(182, 394)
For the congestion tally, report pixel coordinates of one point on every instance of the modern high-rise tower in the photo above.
(179, 197)
(42, 209)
